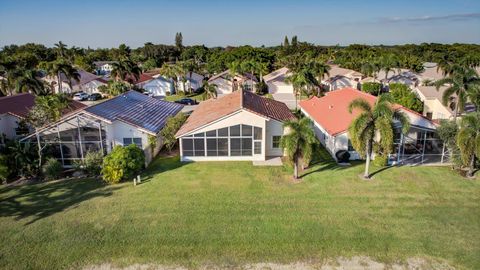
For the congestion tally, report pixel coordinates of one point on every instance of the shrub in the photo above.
(171, 127)
(4, 169)
(261, 88)
(372, 88)
(52, 169)
(122, 163)
(380, 161)
(91, 164)
(404, 96)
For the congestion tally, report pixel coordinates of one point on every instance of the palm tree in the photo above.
(59, 67)
(60, 49)
(171, 71)
(460, 82)
(388, 63)
(298, 143)
(125, 68)
(234, 68)
(371, 121)
(302, 81)
(468, 140)
(209, 90)
(29, 81)
(319, 69)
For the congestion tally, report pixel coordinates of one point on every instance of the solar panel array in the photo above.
(136, 109)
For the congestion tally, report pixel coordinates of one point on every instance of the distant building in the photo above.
(103, 67)
(225, 84)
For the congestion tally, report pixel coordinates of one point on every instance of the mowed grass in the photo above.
(221, 213)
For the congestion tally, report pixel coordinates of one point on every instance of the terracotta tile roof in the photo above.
(20, 105)
(214, 109)
(142, 78)
(331, 111)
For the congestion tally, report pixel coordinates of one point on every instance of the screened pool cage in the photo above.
(419, 146)
(71, 139)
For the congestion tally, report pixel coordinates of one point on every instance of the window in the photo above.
(136, 141)
(238, 140)
(276, 141)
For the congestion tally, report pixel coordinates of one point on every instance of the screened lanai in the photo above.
(72, 138)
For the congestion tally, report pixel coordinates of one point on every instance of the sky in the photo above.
(108, 23)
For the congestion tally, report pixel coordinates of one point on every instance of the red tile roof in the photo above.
(142, 78)
(214, 109)
(331, 111)
(20, 105)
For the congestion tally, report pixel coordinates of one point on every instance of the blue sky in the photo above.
(104, 23)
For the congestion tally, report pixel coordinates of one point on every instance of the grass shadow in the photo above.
(38, 201)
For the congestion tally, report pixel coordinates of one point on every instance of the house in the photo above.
(141, 80)
(130, 118)
(225, 84)
(157, 87)
(331, 119)
(88, 83)
(237, 126)
(339, 78)
(433, 107)
(103, 67)
(193, 81)
(14, 109)
(279, 88)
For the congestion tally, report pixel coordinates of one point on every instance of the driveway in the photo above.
(287, 98)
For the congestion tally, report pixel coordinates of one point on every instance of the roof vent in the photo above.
(330, 107)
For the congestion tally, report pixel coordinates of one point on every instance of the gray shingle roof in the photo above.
(136, 109)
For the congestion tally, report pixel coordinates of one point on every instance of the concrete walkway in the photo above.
(270, 161)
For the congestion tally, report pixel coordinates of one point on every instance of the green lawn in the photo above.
(197, 97)
(233, 213)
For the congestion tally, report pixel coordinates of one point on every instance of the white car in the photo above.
(80, 96)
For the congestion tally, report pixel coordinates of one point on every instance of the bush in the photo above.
(52, 169)
(4, 169)
(404, 96)
(261, 88)
(380, 161)
(91, 164)
(171, 127)
(122, 163)
(372, 88)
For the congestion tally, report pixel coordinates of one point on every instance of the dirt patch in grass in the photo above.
(354, 263)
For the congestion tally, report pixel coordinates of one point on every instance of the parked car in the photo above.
(95, 96)
(80, 96)
(186, 101)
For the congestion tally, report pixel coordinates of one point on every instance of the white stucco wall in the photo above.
(8, 124)
(279, 87)
(274, 128)
(157, 87)
(437, 109)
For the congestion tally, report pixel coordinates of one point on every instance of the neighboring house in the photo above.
(245, 81)
(433, 107)
(331, 120)
(339, 78)
(14, 109)
(103, 67)
(192, 83)
(88, 83)
(238, 126)
(279, 89)
(141, 80)
(130, 118)
(276, 82)
(157, 87)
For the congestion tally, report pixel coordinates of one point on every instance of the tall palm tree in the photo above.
(459, 82)
(388, 62)
(61, 67)
(171, 71)
(234, 68)
(61, 49)
(298, 143)
(302, 81)
(209, 90)
(468, 140)
(373, 120)
(125, 68)
(319, 69)
(29, 81)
